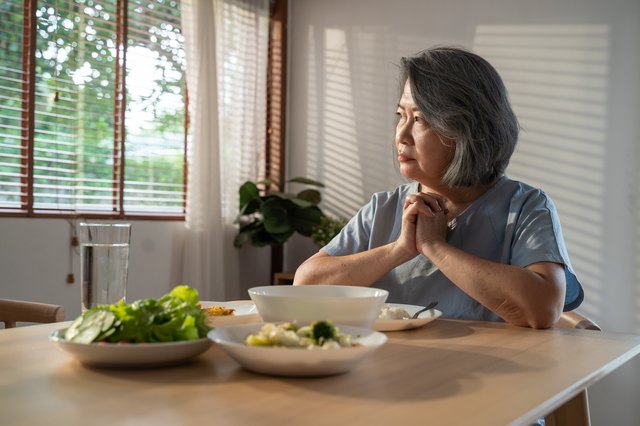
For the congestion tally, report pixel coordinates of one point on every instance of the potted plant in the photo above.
(269, 217)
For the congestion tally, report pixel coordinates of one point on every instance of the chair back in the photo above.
(12, 311)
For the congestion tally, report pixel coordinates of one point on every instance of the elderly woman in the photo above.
(461, 232)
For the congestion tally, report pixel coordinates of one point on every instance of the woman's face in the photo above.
(423, 154)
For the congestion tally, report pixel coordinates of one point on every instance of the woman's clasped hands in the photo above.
(424, 221)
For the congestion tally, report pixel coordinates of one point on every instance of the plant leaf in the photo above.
(311, 195)
(295, 199)
(276, 218)
(262, 238)
(248, 191)
(306, 181)
(251, 206)
(278, 194)
(282, 238)
(305, 219)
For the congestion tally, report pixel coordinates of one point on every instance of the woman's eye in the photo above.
(420, 119)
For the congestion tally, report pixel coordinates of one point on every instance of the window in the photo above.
(92, 108)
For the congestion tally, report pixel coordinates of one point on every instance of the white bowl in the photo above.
(131, 355)
(296, 362)
(349, 305)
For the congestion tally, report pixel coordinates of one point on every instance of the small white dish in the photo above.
(245, 313)
(296, 362)
(407, 324)
(131, 355)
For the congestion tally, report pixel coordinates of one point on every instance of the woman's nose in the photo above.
(403, 133)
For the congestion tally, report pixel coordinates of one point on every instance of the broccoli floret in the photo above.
(322, 331)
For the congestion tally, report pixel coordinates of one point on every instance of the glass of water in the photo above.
(104, 261)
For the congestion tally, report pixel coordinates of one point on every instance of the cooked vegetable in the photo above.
(173, 317)
(322, 331)
(317, 335)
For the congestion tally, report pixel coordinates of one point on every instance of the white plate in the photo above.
(131, 355)
(407, 324)
(281, 361)
(246, 313)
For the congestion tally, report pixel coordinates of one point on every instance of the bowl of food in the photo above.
(320, 348)
(348, 305)
(145, 333)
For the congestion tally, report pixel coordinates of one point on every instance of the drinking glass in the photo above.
(104, 262)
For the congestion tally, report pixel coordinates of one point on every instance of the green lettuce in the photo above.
(173, 317)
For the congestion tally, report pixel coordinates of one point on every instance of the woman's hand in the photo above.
(425, 219)
(407, 240)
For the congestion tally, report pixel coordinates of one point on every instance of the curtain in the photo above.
(226, 45)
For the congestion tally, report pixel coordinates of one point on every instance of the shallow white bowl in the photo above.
(349, 305)
(131, 355)
(297, 362)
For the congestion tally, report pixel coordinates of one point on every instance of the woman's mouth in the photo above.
(402, 155)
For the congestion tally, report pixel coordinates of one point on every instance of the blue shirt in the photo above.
(512, 223)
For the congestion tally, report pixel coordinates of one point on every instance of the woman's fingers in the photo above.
(427, 203)
(411, 212)
(420, 208)
(436, 201)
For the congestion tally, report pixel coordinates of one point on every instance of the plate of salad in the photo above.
(145, 333)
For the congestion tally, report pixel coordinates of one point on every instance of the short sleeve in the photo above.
(538, 238)
(354, 236)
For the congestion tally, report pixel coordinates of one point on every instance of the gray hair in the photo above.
(464, 99)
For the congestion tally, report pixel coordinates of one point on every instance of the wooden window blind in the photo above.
(276, 91)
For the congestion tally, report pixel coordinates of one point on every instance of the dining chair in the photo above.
(576, 411)
(12, 311)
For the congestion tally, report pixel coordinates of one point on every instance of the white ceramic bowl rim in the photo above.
(319, 291)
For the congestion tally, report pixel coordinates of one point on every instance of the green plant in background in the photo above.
(269, 218)
(328, 228)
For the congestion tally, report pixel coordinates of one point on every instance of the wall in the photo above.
(572, 68)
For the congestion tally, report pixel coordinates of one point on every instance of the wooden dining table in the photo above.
(449, 372)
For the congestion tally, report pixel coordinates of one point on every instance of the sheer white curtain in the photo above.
(226, 44)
